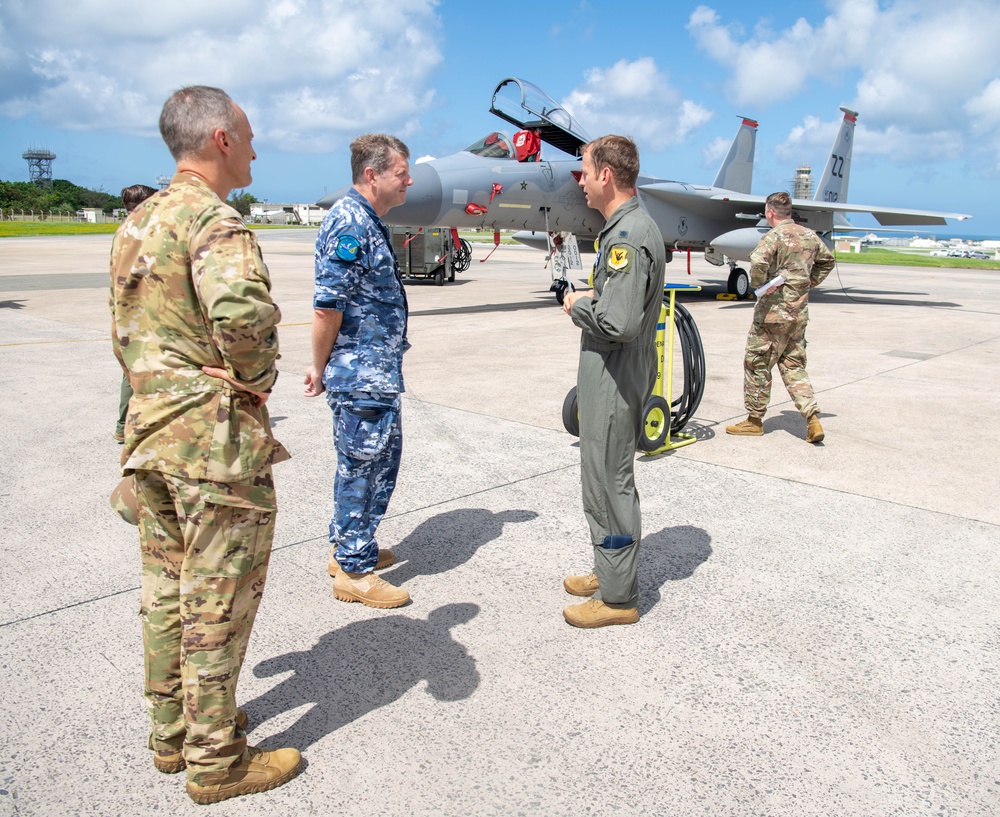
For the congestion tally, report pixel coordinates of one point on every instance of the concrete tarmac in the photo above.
(819, 623)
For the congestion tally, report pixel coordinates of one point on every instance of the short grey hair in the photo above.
(374, 150)
(192, 115)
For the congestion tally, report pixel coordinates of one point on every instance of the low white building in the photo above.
(266, 213)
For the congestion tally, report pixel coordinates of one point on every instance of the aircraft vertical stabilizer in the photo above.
(736, 173)
(833, 184)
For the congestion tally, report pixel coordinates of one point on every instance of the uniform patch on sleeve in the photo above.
(619, 258)
(347, 247)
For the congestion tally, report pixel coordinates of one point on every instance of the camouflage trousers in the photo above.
(205, 551)
(368, 436)
(783, 344)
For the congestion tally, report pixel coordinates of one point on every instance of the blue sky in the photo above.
(86, 80)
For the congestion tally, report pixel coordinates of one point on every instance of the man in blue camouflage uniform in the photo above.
(358, 340)
(778, 334)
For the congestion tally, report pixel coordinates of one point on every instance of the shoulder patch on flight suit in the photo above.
(618, 258)
(347, 247)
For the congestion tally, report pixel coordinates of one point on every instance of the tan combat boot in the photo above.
(750, 427)
(385, 558)
(581, 585)
(595, 613)
(369, 589)
(256, 771)
(170, 762)
(814, 431)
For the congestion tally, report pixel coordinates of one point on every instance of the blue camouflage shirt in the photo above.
(357, 274)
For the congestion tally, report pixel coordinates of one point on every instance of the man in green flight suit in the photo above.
(195, 328)
(616, 375)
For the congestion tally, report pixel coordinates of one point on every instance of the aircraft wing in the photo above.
(699, 199)
(886, 216)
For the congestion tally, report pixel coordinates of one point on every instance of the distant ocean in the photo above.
(902, 232)
(958, 236)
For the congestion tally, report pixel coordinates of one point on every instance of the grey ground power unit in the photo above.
(430, 253)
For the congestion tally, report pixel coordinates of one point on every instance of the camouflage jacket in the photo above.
(799, 255)
(357, 274)
(189, 289)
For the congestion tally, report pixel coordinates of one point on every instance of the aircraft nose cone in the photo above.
(424, 200)
(332, 198)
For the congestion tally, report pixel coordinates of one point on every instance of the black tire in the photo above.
(439, 276)
(739, 283)
(571, 413)
(561, 287)
(655, 424)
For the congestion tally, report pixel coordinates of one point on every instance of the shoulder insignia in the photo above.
(347, 247)
(623, 234)
(618, 258)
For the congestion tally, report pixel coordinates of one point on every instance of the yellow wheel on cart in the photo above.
(655, 424)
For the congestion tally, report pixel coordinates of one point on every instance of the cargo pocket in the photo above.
(364, 427)
(229, 542)
(615, 564)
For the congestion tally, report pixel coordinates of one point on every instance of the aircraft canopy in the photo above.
(496, 145)
(528, 107)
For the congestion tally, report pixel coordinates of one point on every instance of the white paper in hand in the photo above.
(776, 281)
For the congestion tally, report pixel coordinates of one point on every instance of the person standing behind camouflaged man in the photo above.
(195, 326)
(358, 340)
(616, 375)
(131, 198)
(778, 332)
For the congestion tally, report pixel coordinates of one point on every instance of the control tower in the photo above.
(802, 186)
(39, 166)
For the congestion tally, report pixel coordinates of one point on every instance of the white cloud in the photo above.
(307, 71)
(912, 60)
(925, 74)
(814, 138)
(635, 99)
(715, 151)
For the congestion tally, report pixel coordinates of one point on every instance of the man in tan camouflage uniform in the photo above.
(196, 329)
(778, 334)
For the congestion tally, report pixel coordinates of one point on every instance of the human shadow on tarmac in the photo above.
(362, 667)
(671, 555)
(448, 540)
(792, 422)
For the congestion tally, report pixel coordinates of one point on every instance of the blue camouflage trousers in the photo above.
(368, 437)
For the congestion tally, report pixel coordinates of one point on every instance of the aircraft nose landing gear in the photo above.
(739, 282)
(560, 286)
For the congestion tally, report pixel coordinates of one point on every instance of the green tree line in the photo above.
(65, 195)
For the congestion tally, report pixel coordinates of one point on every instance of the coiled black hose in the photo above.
(682, 409)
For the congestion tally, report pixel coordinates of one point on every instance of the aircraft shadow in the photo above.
(431, 282)
(671, 555)
(362, 667)
(448, 540)
(12, 304)
(848, 295)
